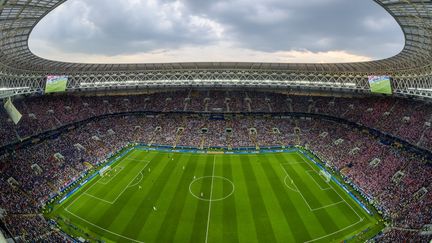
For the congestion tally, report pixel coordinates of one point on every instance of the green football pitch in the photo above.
(151, 196)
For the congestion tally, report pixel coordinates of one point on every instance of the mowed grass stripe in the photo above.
(166, 198)
(260, 215)
(201, 213)
(137, 154)
(229, 223)
(145, 208)
(81, 208)
(296, 227)
(185, 228)
(296, 201)
(116, 218)
(87, 212)
(247, 233)
(331, 218)
(118, 183)
(222, 228)
(315, 175)
(171, 221)
(274, 210)
(262, 208)
(342, 214)
(127, 204)
(307, 188)
(325, 197)
(302, 185)
(216, 227)
(347, 214)
(129, 162)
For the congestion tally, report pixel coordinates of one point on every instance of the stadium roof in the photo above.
(19, 17)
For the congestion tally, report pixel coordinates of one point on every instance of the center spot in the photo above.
(202, 189)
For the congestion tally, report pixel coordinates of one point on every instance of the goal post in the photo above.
(326, 175)
(104, 170)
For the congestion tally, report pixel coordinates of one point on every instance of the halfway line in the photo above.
(211, 194)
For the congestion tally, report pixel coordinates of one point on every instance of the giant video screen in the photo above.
(56, 83)
(380, 84)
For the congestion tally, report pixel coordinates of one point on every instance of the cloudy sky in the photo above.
(145, 31)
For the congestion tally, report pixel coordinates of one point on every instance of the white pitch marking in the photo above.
(301, 194)
(85, 192)
(214, 200)
(287, 176)
(142, 176)
(111, 177)
(309, 173)
(311, 209)
(286, 184)
(346, 202)
(124, 189)
(129, 184)
(293, 163)
(98, 198)
(139, 160)
(326, 206)
(97, 226)
(210, 202)
(336, 192)
(361, 220)
(298, 191)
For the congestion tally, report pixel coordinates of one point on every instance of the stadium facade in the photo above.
(22, 72)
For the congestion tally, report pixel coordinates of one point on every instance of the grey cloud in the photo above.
(341, 21)
(118, 28)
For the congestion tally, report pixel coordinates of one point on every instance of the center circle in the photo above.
(211, 188)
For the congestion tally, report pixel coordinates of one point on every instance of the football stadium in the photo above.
(202, 150)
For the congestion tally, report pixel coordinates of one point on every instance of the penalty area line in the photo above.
(332, 187)
(288, 176)
(111, 177)
(329, 205)
(142, 176)
(98, 198)
(322, 189)
(324, 236)
(127, 186)
(97, 226)
(124, 189)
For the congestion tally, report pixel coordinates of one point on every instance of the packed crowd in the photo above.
(372, 166)
(346, 150)
(407, 119)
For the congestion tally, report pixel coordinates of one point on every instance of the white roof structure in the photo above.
(23, 72)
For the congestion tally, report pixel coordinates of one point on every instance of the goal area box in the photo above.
(104, 170)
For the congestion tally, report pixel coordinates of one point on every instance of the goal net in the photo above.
(104, 170)
(325, 175)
